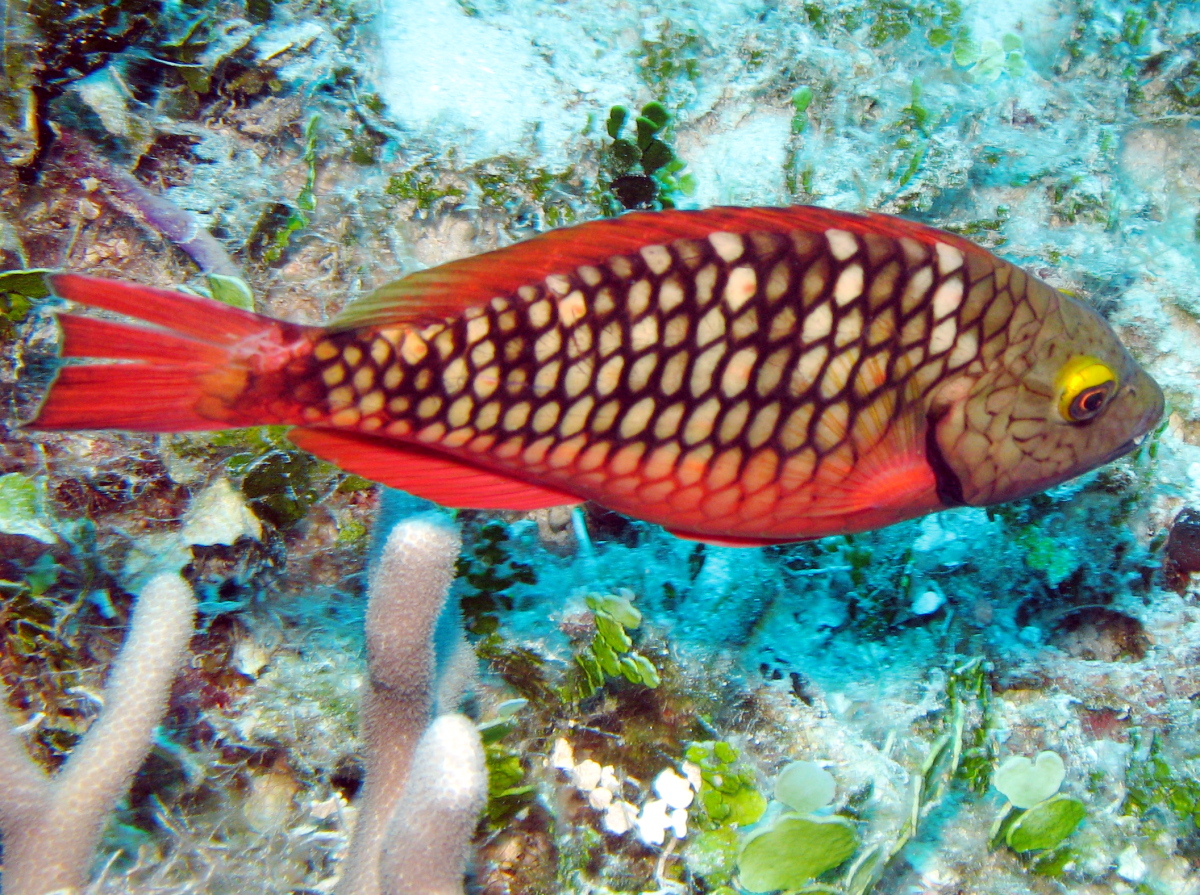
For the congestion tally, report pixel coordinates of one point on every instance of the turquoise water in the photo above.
(327, 148)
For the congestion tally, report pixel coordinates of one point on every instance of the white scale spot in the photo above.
(740, 287)
(942, 336)
(947, 298)
(734, 422)
(700, 423)
(546, 417)
(807, 370)
(949, 258)
(639, 298)
(547, 345)
(670, 294)
(964, 352)
(414, 348)
(578, 377)
(644, 333)
(672, 375)
(488, 415)
(711, 327)
(429, 407)
(702, 372)
(675, 330)
(610, 338)
(539, 313)
(572, 308)
(842, 244)
(476, 330)
(459, 413)
(706, 279)
(737, 372)
(609, 376)
(818, 323)
(487, 381)
(516, 416)
(590, 275)
(558, 284)
(455, 377)
(483, 353)
(547, 377)
(576, 416)
(333, 375)
(657, 258)
(668, 421)
(392, 377)
(381, 351)
(372, 403)
(849, 284)
(849, 328)
(727, 245)
(777, 282)
(637, 418)
(640, 372)
(325, 350)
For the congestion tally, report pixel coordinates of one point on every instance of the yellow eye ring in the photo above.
(1084, 386)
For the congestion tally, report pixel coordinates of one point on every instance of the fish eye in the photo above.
(1085, 386)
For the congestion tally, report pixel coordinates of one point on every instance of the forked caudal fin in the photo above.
(200, 365)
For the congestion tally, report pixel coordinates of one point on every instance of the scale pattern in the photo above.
(738, 377)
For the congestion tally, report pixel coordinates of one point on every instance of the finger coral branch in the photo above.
(406, 595)
(51, 825)
(425, 848)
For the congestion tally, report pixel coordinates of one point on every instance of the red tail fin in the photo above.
(204, 364)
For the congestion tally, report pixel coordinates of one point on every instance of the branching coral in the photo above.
(425, 784)
(51, 825)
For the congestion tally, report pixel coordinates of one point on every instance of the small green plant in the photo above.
(727, 795)
(422, 184)
(661, 179)
(19, 289)
(1036, 818)
(801, 100)
(487, 570)
(797, 845)
(1159, 793)
(611, 653)
(275, 228)
(990, 59)
(21, 507)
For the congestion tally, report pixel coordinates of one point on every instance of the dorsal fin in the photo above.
(448, 289)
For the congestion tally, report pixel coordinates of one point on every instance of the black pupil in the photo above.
(1092, 400)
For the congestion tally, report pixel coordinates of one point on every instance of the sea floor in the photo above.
(331, 146)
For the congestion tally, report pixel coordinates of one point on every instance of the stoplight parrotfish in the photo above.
(738, 375)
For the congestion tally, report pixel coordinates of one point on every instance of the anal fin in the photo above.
(733, 540)
(434, 476)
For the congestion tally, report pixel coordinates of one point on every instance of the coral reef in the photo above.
(327, 147)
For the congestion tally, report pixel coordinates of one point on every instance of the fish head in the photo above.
(1056, 396)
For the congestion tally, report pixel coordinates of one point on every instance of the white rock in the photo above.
(218, 515)
(676, 791)
(586, 775)
(1130, 865)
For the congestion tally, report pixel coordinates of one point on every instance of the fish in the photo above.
(739, 376)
